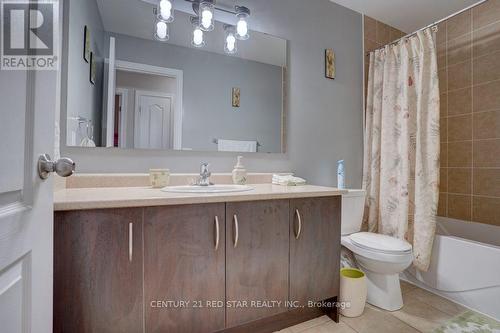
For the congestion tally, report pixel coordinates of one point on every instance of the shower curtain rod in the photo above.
(434, 24)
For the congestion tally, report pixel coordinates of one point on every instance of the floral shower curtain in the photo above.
(401, 154)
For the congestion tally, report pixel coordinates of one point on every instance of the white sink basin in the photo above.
(207, 189)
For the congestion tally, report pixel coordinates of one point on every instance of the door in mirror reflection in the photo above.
(152, 128)
(145, 109)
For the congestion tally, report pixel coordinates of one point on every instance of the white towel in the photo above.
(237, 146)
(287, 180)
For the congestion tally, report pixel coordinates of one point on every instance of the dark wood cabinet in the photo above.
(257, 245)
(98, 271)
(314, 248)
(219, 267)
(184, 253)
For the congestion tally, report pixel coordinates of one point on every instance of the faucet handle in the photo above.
(204, 179)
(204, 168)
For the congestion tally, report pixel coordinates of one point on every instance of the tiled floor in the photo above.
(422, 312)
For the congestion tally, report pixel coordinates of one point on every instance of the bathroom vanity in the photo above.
(142, 260)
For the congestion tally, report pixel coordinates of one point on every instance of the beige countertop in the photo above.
(120, 197)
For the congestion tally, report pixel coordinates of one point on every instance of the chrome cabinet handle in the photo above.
(217, 235)
(130, 241)
(297, 234)
(236, 233)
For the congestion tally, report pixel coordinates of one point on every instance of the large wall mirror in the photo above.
(135, 79)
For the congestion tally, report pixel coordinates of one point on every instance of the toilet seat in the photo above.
(380, 243)
(374, 252)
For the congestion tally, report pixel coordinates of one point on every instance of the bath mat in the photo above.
(470, 322)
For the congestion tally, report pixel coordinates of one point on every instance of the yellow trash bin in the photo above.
(353, 292)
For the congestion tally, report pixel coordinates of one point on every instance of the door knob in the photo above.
(64, 167)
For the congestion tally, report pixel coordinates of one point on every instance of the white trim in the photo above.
(110, 105)
(163, 71)
(123, 92)
(138, 94)
(364, 88)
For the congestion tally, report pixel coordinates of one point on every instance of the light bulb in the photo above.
(165, 11)
(230, 39)
(242, 29)
(161, 32)
(207, 15)
(206, 10)
(165, 4)
(206, 23)
(230, 45)
(197, 37)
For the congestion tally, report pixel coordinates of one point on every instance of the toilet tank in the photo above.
(353, 203)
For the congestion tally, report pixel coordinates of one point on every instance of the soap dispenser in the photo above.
(239, 173)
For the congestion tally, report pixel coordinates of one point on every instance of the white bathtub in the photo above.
(465, 266)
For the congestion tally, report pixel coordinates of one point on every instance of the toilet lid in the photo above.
(380, 243)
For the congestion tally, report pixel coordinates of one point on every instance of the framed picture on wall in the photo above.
(86, 44)
(329, 64)
(92, 68)
(235, 100)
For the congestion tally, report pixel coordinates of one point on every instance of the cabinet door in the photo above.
(184, 263)
(314, 249)
(98, 271)
(257, 245)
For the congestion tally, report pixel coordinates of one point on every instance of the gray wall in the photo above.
(208, 79)
(324, 116)
(84, 99)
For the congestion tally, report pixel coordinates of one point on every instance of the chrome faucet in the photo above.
(204, 178)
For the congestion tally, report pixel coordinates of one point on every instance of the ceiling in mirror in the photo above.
(155, 83)
(136, 18)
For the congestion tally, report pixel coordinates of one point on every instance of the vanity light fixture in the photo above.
(206, 14)
(230, 39)
(161, 31)
(242, 13)
(165, 11)
(197, 33)
(204, 21)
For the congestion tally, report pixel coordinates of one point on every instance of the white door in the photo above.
(27, 109)
(153, 120)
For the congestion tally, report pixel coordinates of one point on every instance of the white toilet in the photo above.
(381, 257)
